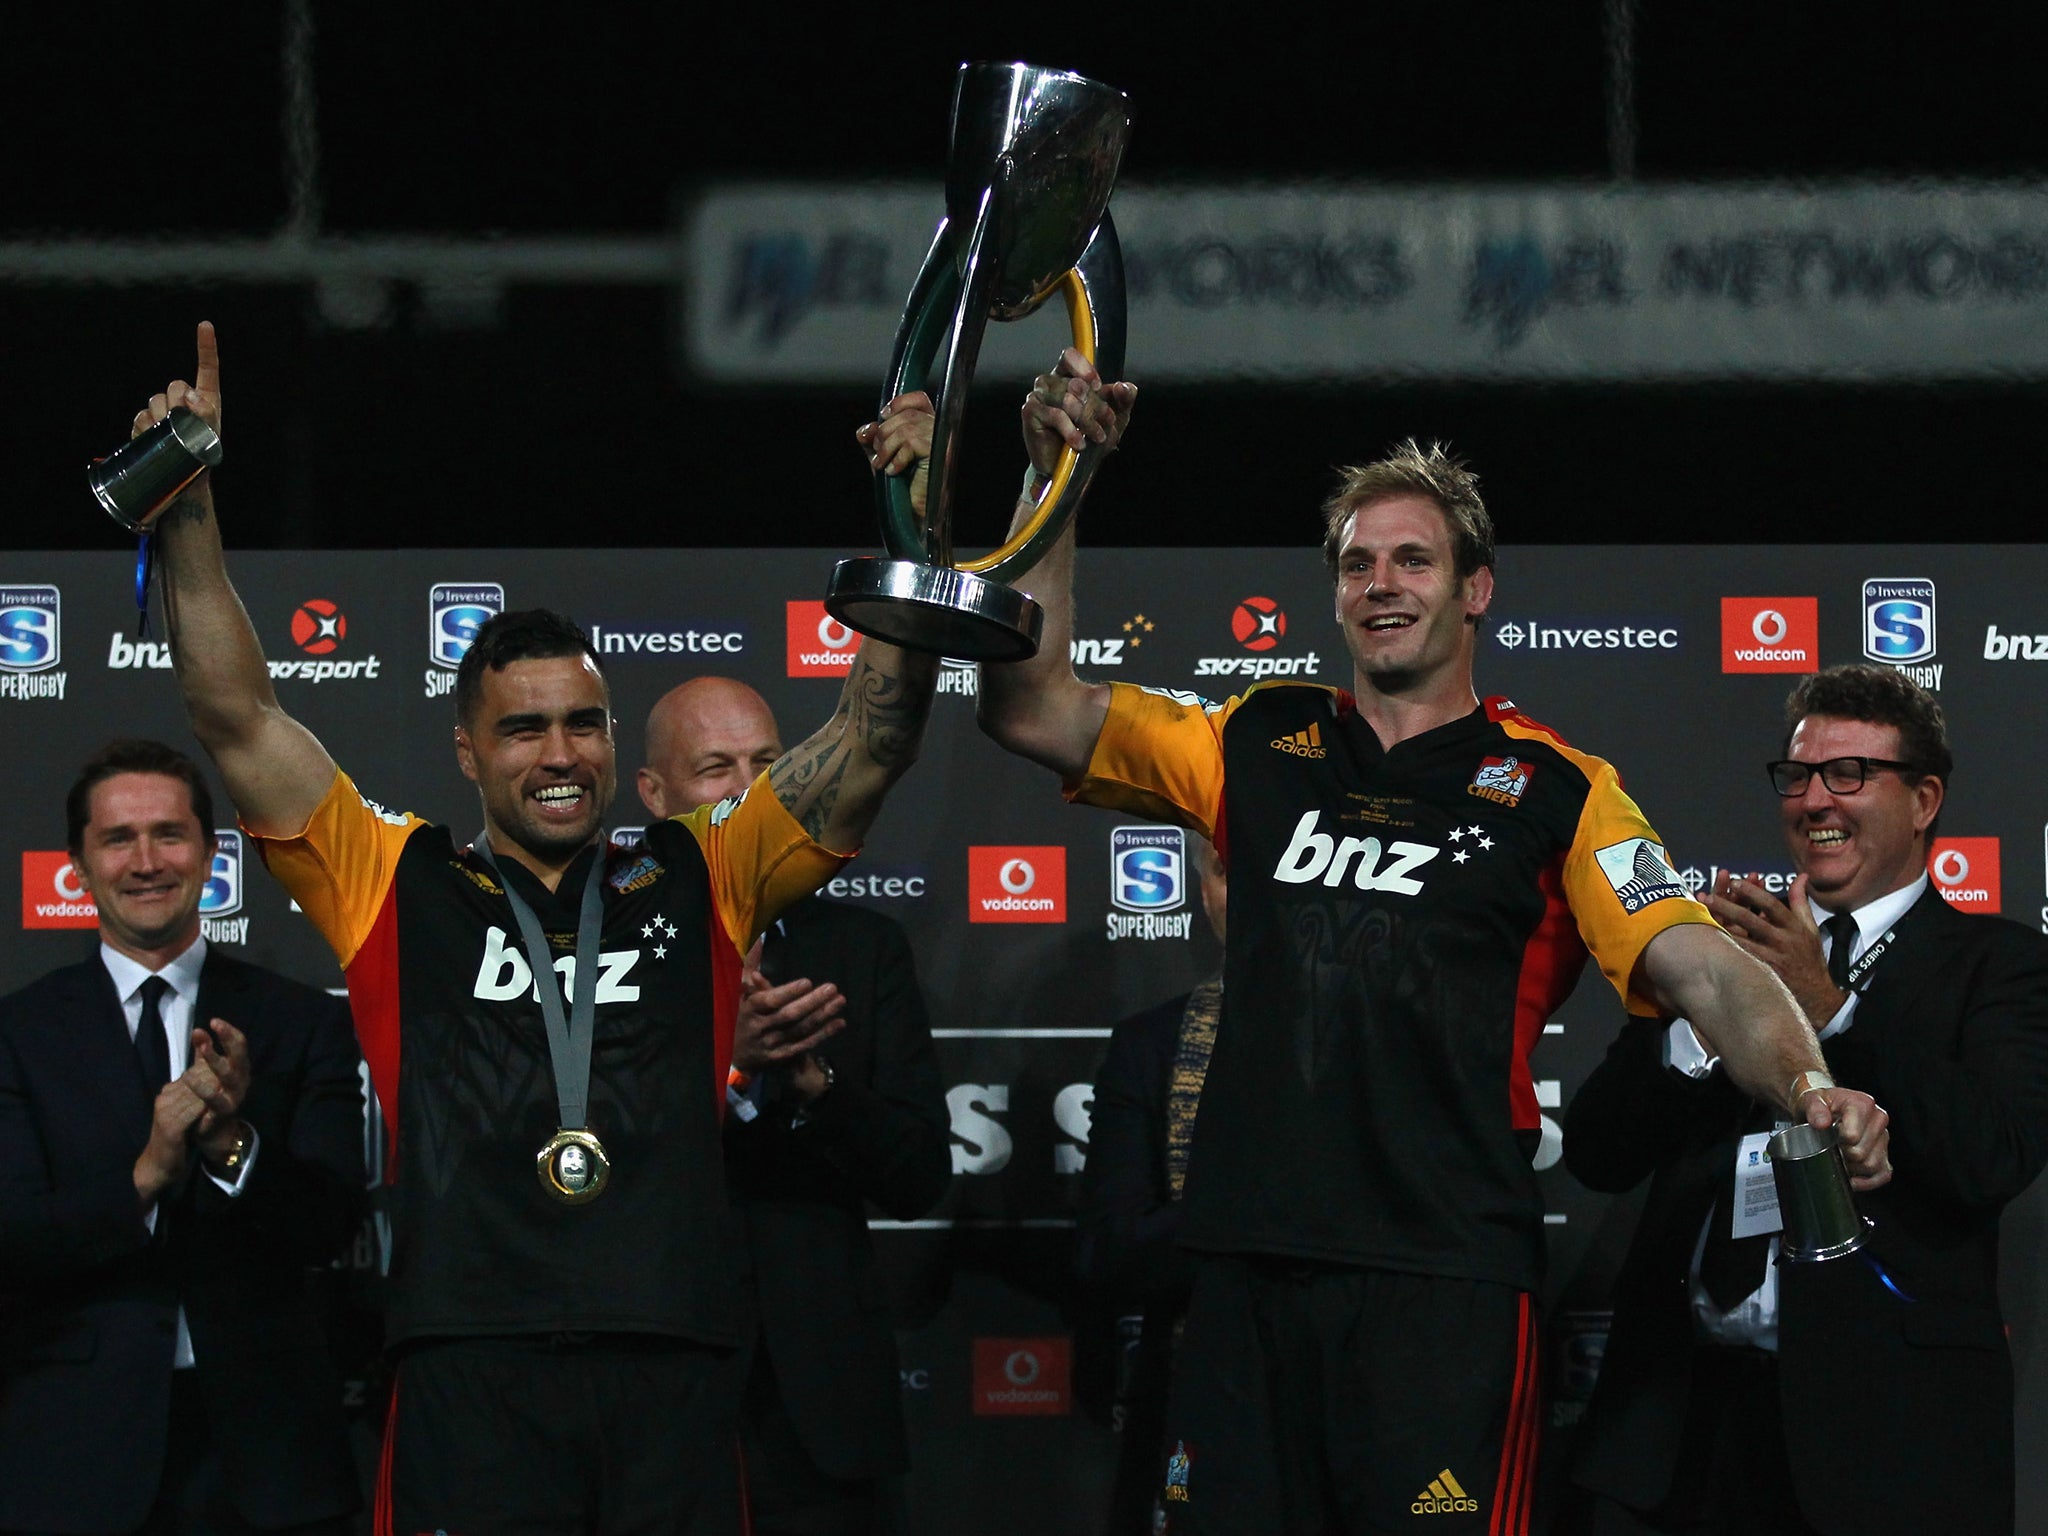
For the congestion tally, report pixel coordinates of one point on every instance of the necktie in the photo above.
(1732, 1268)
(1841, 932)
(152, 1046)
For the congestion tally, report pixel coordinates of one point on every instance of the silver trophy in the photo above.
(1032, 160)
(1814, 1199)
(147, 473)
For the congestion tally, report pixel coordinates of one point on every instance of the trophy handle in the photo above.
(1094, 293)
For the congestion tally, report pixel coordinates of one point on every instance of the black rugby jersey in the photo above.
(1401, 924)
(452, 1030)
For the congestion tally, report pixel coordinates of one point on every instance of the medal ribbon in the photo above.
(569, 1039)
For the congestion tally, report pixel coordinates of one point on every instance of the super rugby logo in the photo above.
(1148, 880)
(504, 974)
(1259, 625)
(31, 643)
(1312, 855)
(456, 610)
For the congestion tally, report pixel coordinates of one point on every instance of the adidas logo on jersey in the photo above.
(1308, 743)
(1313, 855)
(1443, 1496)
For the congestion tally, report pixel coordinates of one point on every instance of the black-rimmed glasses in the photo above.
(1841, 775)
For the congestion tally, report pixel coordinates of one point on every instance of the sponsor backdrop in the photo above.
(1038, 925)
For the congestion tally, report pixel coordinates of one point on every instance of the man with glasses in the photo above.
(1704, 1419)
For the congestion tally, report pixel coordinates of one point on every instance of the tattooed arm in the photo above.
(275, 769)
(833, 783)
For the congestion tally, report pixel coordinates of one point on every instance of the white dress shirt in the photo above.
(176, 1008)
(1754, 1319)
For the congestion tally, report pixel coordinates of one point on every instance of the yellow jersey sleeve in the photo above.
(1160, 756)
(759, 858)
(340, 865)
(1621, 886)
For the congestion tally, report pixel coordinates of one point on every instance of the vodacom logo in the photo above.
(1768, 626)
(1965, 871)
(818, 644)
(1017, 885)
(1770, 634)
(1021, 1367)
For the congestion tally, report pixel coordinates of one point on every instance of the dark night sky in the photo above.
(567, 422)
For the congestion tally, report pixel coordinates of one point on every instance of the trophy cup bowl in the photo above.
(1031, 163)
(1814, 1199)
(144, 475)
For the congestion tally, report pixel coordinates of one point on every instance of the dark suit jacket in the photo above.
(802, 1191)
(1129, 1229)
(1898, 1414)
(89, 1299)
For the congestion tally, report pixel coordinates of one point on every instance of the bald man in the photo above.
(847, 1110)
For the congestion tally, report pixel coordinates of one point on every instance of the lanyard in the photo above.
(569, 1039)
(1868, 959)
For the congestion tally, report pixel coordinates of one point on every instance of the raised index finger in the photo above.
(207, 380)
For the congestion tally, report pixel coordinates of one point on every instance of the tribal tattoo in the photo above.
(871, 739)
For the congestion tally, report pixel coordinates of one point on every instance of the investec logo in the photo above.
(1586, 637)
(504, 974)
(612, 640)
(1148, 880)
(456, 610)
(1898, 626)
(31, 643)
(1313, 855)
(1259, 625)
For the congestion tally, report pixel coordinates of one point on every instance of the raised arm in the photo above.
(275, 769)
(1039, 709)
(1744, 1014)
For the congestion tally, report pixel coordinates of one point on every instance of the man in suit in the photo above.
(1717, 1408)
(821, 1131)
(183, 1140)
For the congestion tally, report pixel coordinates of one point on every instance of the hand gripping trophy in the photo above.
(1032, 160)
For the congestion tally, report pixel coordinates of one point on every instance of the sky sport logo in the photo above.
(1770, 634)
(1258, 624)
(1148, 881)
(1016, 884)
(456, 610)
(819, 645)
(52, 895)
(1965, 871)
(31, 643)
(1023, 1376)
(318, 627)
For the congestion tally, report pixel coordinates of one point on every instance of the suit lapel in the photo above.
(97, 1031)
(1914, 959)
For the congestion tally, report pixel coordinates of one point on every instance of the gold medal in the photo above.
(573, 1167)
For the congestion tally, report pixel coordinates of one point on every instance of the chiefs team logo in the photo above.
(1503, 780)
(318, 626)
(1259, 623)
